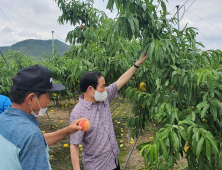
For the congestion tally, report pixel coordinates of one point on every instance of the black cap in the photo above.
(36, 78)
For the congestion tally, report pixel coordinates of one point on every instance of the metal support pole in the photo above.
(53, 43)
(4, 58)
(178, 19)
(128, 119)
(131, 151)
(49, 118)
(54, 101)
(69, 105)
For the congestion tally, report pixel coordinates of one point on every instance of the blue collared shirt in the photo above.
(22, 144)
(5, 102)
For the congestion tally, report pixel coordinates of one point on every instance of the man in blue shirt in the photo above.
(22, 144)
(5, 102)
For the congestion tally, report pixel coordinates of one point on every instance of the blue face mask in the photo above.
(41, 111)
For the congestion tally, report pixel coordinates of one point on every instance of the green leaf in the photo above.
(163, 5)
(219, 160)
(176, 140)
(163, 147)
(131, 24)
(206, 107)
(189, 132)
(183, 134)
(212, 141)
(199, 77)
(151, 154)
(155, 153)
(170, 160)
(199, 147)
(202, 104)
(213, 111)
(141, 151)
(167, 82)
(193, 116)
(197, 135)
(208, 150)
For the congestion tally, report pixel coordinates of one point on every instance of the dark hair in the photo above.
(18, 96)
(89, 79)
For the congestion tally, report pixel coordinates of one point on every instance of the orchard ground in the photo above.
(60, 152)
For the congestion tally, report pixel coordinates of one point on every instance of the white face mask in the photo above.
(41, 111)
(100, 97)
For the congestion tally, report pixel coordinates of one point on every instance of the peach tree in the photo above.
(181, 83)
(184, 92)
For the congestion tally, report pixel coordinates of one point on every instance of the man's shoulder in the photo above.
(78, 108)
(112, 85)
(80, 111)
(19, 131)
(17, 123)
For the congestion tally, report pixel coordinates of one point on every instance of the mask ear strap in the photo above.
(38, 101)
(30, 108)
(33, 114)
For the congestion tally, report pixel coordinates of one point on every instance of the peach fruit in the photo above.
(84, 123)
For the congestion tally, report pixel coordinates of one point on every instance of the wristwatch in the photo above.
(135, 65)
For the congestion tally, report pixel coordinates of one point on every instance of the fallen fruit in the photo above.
(121, 145)
(84, 123)
(66, 145)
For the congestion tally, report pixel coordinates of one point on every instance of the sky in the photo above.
(36, 19)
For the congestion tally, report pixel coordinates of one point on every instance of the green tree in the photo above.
(182, 83)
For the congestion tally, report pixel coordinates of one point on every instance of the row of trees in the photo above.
(182, 82)
(183, 85)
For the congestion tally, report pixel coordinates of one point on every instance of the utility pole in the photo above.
(178, 19)
(4, 58)
(53, 43)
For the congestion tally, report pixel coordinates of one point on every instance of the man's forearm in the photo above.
(52, 138)
(74, 150)
(129, 73)
(125, 77)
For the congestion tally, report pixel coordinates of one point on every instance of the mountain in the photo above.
(35, 48)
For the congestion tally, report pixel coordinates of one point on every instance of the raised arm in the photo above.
(129, 73)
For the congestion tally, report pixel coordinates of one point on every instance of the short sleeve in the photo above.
(112, 91)
(76, 138)
(33, 154)
(7, 103)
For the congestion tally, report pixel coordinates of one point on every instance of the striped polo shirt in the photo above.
(22, 144)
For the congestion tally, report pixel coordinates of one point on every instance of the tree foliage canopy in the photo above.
(181, 83)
